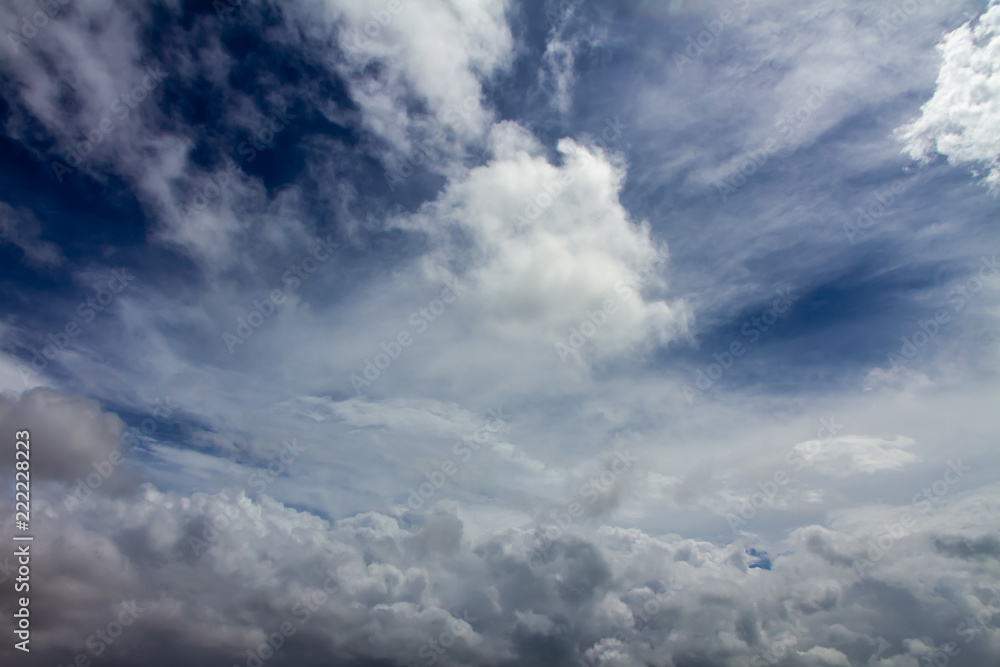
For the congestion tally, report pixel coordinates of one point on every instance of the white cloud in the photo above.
(860, 453)
(394, 54)
(546, 244)
(962, 120)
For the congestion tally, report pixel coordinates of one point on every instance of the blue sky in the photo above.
(395, 288)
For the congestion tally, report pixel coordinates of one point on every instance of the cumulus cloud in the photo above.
(216, 575)
(547, 246)
(961, 120)
(86, 435)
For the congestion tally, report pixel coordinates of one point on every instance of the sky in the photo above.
(480, 332)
